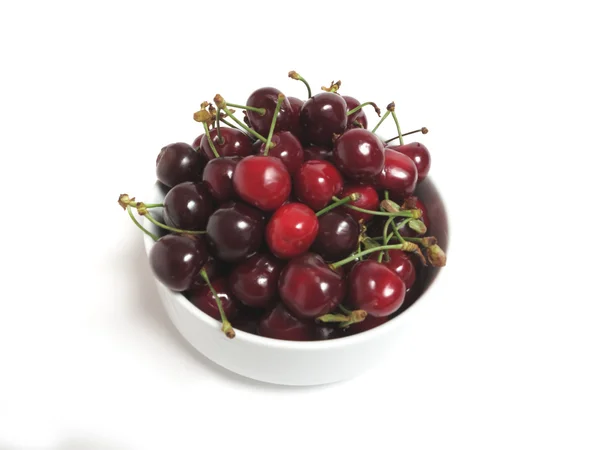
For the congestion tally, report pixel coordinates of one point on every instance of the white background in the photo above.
(507, 353)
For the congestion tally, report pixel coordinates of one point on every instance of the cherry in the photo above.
(309, 287)
(235, 231)
(197, 141)
(176, 260)
(375, 289)
(287, 148)
(405, 229)
(214, 268)
(369, 199)
(369, 323)
(326, 332)
(177, 163)
(359, 116)
(247, 319)
(254, 281)
(296, 105)
(399, 174)
(217, 177)
(322, 116)
(187, 206)
(232, 143)
(419, 155)
(291, 230)
(338, 235)
(316, 152)
(202, 298)
(266, 98)
(280, 324)
(316, 182)
(262, 181)
(359, 154)
(401, 264)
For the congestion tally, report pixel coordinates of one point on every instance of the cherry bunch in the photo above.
(295, 222)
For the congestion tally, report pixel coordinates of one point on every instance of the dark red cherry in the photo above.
(375, 289)
(247, 319)
(358, 154)
(359, 116)
(401, 264)
(235, 231)
(197, 142)
(399, 174)
(262, 181)
(254, 281)
(214, 268)
(287, 148)
(322, 116)
(218, 178)
(369, 199)
(291, 230)
(266, 98)
(309, 288)
(233, 143)
(316, 182)
(202, 298)
(187, 206)
(338, 235)
(369, 323)
(296, 105)
(419, 154)
(177, 163)
(176, 260)
(316, 152)
(280, 324)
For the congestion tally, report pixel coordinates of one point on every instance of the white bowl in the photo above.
(292, 362)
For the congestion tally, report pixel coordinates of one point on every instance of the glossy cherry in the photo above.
(235, 231)
(401, 264)
(176, 260)
(287, 148)
(218, 178)
(233, 143)
(338, 235)
(177, 163)
(291, 230)
(254, 281)
(375, 289)
(202, 298)
(187, 206)
(316, 152)
(322, 116)
(296, 105)
(262, 181)
(369, 199)
(399, 174)
(358, 154)
(359, 116)
(279, 323)
(309, 288)
(266, 98)
(316, 182)
(419, 155)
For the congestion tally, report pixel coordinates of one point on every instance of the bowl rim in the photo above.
(254, 339)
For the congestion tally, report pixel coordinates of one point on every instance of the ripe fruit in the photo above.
(266, 98)
(291, 230)
(177, 163)
(419, 155)
(359, 154)
(254, 281)
(280, 324)
(337, 236)
(322, 116)
(232, 143)
(375, 289)
(399, 174)
(288, 149)
(218, 178)
(202, 298)
(176, 260)
(188, 206)
(316, 182)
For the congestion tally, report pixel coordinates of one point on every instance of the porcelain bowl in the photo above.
(300, 363)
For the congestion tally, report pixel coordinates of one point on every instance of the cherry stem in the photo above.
(356, 123)
(335, 86)
(296, 76)
(229, 124)
(210, 141)
(140, 226)
(261, 111)
(386, 237)
(398, 127)
(368, 251)
(226, 328)
(345, 310)
(142, 211)
(345, 320)
(219, 126)
(280, 99)
(338, 202)
(420, 130)
(359, 107)
(221, 104)
(387, 113)
(412, 213)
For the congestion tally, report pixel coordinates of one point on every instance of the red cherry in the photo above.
(254, 281)
(401, 264)
(233, 143)
(262, 181)
(201, 297)
(419, 154)
(359, 116)
(287, 148)
(292, 230)
(267, 98)
(218, 175)
(316, 152)
(399, 174)
(375, 289)
(280, 324)
(296, 105)
(179, 162)
(310, 288)
(187, 206)
(322, 116)
(337, 236)
(316, 182)
(369, 199)
(359, 154)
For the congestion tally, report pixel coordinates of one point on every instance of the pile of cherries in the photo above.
(295, 222)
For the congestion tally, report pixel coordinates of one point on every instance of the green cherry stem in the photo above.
(387, 113)
(143, 211)
(359, 107)
(210, 141)
(219, 126)
(338, 202)
(220, 102)
(412, 213)
(368, 251)
(423, 130)
(398, 127)
(229, 124)
(261, 111)
(280, 99)
(139, 225)
(296, 76)
(226, 328)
